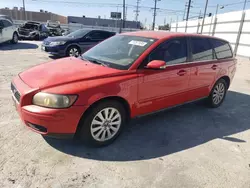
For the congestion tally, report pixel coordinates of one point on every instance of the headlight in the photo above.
(54, 100)
(57, 43)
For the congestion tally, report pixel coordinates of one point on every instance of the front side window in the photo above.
(221, 48)
(201, 49)
(6, 23)
(78, 33)
(120, 51)
(172, 52)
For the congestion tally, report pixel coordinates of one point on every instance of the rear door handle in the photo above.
(214, 67)
(182, 72)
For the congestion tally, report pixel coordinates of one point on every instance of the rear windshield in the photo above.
(221, 48)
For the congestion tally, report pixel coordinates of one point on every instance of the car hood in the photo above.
(63, 71)
(59, 38)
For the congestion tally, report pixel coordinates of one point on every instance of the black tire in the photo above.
(14, 38)
(84, 131)
(210, 100)
(68, 52)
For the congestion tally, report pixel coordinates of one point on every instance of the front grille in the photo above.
(15, 92)
(26, 33)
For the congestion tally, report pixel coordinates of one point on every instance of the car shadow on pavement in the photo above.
(54, 57)
(18, 46)
(170, 131)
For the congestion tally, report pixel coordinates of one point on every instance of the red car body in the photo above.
(142, 91)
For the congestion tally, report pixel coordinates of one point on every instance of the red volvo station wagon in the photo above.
(125, 76)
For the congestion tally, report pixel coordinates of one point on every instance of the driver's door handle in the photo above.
(214, 67)
(182, 72)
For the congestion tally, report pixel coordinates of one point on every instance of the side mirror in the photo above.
(156, 64)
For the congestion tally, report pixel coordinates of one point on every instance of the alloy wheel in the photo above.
(218, 93)
(106, 124)
(73, 52)
(15, 38)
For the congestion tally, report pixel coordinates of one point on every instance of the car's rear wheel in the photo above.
(103, 123)
(73, 51)
(218, 93)
(14, 38)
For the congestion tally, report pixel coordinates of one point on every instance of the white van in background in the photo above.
(8, 31)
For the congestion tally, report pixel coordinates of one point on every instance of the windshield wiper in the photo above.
(95, 61)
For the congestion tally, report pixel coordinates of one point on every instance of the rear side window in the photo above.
(221, 48)
(99, 35)
(201, 49)
(172, 52)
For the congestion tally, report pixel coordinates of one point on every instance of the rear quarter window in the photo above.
(221, 48)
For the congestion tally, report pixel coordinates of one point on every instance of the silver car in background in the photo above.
(8, 31)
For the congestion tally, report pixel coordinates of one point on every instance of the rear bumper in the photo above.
(55, 123)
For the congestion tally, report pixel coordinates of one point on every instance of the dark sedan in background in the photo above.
(75, 43)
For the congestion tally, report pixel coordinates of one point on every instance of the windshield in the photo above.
(78, 34)
(120, 51)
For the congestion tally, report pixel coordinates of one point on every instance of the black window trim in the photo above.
(141, 66)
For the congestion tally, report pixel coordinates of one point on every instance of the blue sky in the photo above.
(64, 7)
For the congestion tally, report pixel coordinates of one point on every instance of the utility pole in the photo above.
(124, 12)
(137, 10)
(154, 15)
(205, 12)
(24, 12)
(245, 3)
(188, 9)
(217, 8)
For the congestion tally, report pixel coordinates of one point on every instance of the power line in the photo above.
(109, 5)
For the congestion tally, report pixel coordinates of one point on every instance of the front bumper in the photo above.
(55, 50)
(26, 36)
(45, 121)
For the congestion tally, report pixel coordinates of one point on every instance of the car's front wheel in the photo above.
(73, 51)
(103, 124)
(218, 93)
(14, 38)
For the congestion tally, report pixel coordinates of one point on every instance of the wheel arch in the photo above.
(15, 32)
(119, 99)
(227, 79)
